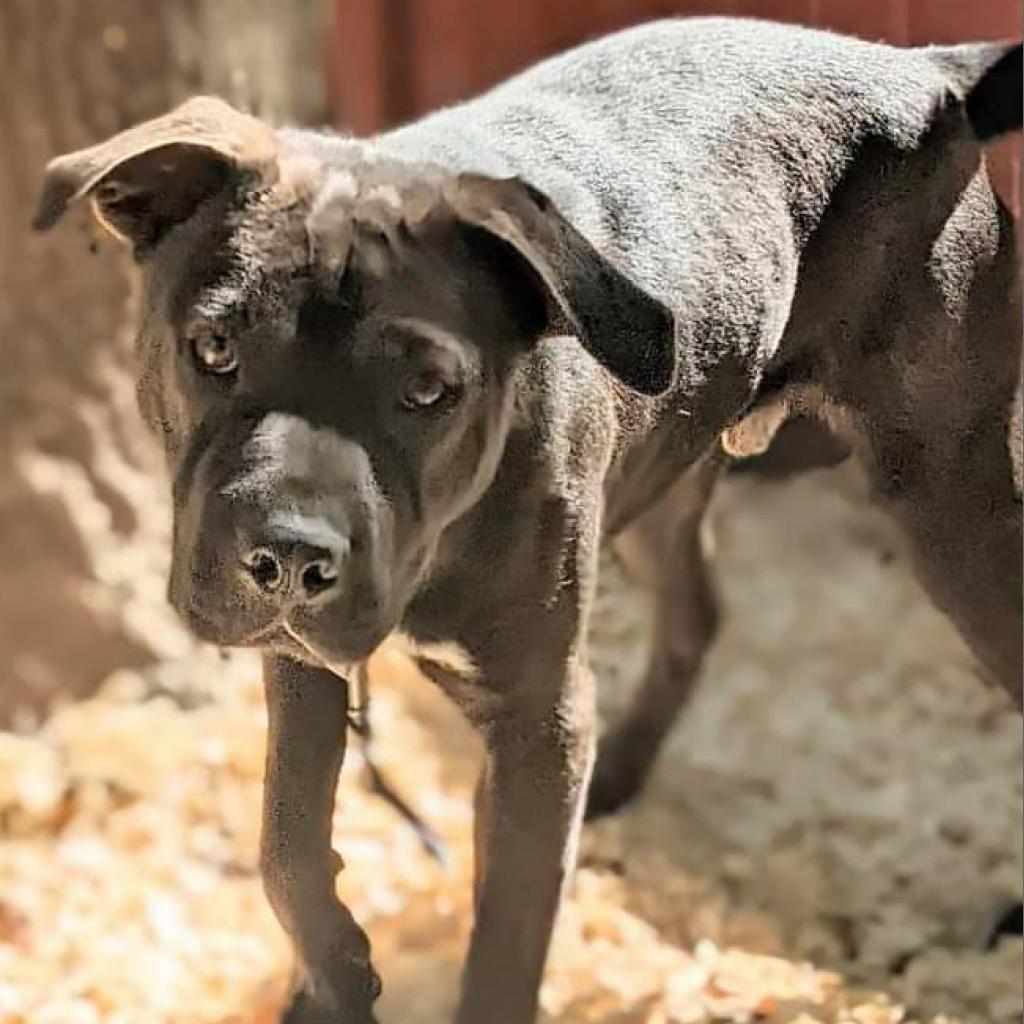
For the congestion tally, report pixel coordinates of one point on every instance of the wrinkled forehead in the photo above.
(295, 238)
(231, 256)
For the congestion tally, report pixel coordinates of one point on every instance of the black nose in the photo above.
(295, 566)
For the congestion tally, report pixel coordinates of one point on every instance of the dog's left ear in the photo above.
(626, 329)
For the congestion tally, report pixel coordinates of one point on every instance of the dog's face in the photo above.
(329, 354)
(325, 418)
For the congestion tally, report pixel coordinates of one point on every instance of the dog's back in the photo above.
(698, 140)
(704, 155)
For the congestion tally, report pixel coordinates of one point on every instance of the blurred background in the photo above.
(835, 826)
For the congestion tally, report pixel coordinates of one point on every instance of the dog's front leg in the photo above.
(307, 709)
(529, 807)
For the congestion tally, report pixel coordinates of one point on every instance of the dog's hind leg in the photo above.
(954, 497)
(936, 427)
(666, 550)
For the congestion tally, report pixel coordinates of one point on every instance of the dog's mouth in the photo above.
(340, 666)
(209, 628)
(283, 636)
(340, 651)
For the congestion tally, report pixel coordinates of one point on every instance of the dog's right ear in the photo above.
(146, 179)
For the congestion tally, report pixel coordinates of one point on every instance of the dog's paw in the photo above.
(304, 1008)
(617, 782)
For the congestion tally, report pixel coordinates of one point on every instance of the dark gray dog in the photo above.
(409, 383)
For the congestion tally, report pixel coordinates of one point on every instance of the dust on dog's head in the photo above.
(328, 349)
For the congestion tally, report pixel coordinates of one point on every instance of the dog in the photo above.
(408, 383)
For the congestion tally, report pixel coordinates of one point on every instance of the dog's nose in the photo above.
(295, 566)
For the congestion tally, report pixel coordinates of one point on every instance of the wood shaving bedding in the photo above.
(826, 840)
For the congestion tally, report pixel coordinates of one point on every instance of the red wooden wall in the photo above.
(393, 59)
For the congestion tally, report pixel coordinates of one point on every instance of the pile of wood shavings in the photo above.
(759, 880)
(130, 894)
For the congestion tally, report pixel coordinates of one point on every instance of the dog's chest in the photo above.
(451, 667)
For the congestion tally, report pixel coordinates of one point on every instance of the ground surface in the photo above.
(831, 833)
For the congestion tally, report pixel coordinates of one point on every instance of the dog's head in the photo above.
(328, 348)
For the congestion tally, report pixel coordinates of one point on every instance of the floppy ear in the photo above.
(988, 77)
(146, 179)
(626, 329)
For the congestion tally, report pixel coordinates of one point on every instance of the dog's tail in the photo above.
(990, 79)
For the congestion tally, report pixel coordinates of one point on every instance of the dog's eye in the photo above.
(214, 353)
(424, 391)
